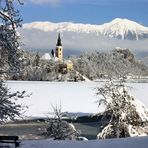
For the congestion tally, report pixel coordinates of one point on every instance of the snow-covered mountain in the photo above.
(124, 29)
(117, 28)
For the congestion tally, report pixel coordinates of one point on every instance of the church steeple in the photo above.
(59, 49)
(59, 40)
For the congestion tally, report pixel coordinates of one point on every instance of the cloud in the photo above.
(37, 39)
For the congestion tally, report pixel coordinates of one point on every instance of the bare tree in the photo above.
(59, 129)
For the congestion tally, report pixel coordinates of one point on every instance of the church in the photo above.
(59, 49)
(64, 65)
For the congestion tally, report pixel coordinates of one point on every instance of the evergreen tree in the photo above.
(123, 115)
(37, 59)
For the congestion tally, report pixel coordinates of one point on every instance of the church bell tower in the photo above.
(59, 49)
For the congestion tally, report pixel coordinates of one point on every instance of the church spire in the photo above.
(59, 40)
(59, 49)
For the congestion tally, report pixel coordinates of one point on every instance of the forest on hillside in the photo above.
(93, 65)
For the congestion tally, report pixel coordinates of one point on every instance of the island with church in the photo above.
(49, 66)
(64, 65)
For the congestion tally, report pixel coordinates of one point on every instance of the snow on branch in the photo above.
(9, 108)
(122, 111)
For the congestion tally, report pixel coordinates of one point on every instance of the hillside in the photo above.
(114, 64)
(117, 63)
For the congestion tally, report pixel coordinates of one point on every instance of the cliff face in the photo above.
(125, 53)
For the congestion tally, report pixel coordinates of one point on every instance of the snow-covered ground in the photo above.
(73, 96)
(137, 142)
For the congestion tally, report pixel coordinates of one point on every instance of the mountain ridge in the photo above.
(118, 28)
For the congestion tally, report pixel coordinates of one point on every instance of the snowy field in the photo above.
(138, 142)
(73, 96)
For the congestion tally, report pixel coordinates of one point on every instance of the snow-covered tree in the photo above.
(58, 129)
(9, 46)
(9, 108)
(37, 59)
(9, 37)
(124, 116)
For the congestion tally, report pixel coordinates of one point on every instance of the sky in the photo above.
(84, 11)
(92, 12)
